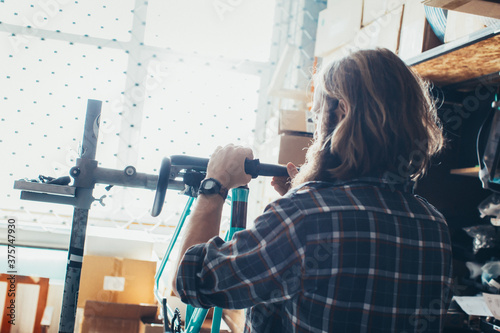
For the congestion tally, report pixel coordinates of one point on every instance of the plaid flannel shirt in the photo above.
(360, 256)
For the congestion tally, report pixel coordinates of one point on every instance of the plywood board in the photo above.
(470, 62)
(472, 172)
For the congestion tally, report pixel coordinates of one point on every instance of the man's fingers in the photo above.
(292, 169)
(250, 154)
(280, 185)
(227, 164)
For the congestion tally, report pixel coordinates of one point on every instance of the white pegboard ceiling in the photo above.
(160, 96)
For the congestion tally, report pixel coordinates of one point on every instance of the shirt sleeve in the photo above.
(260, 264)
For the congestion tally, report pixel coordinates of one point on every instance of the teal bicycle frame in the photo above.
(196, 316)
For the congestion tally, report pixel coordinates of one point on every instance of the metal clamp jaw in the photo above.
(86, 174)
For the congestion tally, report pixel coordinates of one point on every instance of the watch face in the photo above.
(209, 184)
(212, 186)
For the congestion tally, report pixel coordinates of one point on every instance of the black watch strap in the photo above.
(211, 186)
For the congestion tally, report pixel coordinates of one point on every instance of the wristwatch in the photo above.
(212, 186)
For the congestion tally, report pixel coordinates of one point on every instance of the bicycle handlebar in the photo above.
(171, 167)
(252, 167)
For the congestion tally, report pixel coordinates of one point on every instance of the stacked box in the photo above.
(111, 279)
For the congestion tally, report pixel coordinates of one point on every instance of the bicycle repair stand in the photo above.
(86, 174)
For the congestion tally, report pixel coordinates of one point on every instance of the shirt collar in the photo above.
(388, 180)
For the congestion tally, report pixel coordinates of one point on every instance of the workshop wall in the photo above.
(174, 79)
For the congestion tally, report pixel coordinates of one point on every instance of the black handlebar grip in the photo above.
(252, 167)
(255, 168)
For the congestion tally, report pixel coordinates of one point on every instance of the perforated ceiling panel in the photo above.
(45, 90)
(195, 110)
(235, 29)
(163, 91)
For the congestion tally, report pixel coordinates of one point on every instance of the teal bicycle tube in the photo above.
(196, 316)
(189, 314)
(185, 214)
(197, 319)
(216, 319)
(239, 204)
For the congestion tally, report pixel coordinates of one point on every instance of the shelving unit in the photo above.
(471, 172)
(466, 60)
(460, 71)
(462, 65)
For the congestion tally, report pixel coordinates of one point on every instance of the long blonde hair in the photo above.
(390, 121)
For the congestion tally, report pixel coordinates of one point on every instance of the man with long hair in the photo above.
(349, 248)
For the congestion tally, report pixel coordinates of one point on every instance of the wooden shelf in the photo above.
(471, 172)
(465, 59)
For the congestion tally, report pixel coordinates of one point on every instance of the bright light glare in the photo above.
(46, 82)
(233, 29)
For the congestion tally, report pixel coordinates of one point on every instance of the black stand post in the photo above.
(84, 188)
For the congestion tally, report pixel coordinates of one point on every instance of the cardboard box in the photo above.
(477, 7)
(416, 33)
(374, 9)
(293, 149)
(337, 25)
(412, 29)
(295, 121)
(459, 25)
(116, 317)
(383, 32)
(152, 328)
(111, 279)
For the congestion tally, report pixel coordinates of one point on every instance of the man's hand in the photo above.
(282, 184)
(227, 165)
